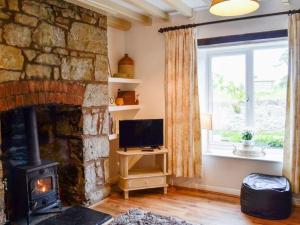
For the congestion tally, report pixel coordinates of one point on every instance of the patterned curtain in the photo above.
(183, 137)
(291, 161)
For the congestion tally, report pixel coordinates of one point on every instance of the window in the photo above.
(246, 88)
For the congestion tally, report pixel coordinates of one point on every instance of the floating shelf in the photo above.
(112, 137)
(124, 80)
(115, 108)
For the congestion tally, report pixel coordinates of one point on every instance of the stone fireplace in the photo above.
(53, 55)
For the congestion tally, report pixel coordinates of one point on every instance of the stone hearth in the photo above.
(54, 54)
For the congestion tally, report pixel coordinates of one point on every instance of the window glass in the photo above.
(247, 87)
(270, 80)
(228, 97)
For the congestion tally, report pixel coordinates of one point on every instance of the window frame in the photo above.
(237, 49)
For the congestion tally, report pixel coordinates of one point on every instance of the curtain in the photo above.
(291, 161)
(183, 137)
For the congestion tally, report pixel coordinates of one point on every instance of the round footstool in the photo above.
(266, 196)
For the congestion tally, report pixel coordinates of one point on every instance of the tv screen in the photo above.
(141, 133)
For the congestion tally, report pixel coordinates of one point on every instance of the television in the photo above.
(147, 133)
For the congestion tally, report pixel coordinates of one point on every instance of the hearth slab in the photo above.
(78, 215)
(35, 219)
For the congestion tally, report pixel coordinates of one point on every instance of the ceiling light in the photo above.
(233, 7)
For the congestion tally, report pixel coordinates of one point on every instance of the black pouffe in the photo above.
(266, 196)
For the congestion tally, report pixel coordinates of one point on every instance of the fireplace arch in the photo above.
(17, 94)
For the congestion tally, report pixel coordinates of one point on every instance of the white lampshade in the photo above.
(233, 7)
(206, 121)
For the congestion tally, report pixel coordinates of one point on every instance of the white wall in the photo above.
(116, 50)
(146, 46)
(116, 47)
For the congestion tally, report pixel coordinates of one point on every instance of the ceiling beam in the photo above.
(149, 8)
(89, 5)
(113, 9)
(118, 23)
(112, 21)
(181, 7)
(207, 2)
(286, 2)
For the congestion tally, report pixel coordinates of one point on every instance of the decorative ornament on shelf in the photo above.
(233, 7)
(128, 97)
(247, 149)
(125, 68)
(119, 101)
(111, 101)
(247, 136)
(137, 100)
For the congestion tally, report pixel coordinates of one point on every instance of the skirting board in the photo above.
(228, 191)
(222, 190)
(296, 201)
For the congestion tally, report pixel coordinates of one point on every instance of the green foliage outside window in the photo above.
(274, 139)
(237, 93)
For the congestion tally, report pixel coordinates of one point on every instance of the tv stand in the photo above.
(142, 178)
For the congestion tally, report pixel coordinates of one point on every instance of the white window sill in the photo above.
(271, 155)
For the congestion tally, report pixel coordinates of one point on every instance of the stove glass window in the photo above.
(42, 185)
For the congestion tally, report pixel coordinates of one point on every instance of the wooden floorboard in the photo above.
(193, 206)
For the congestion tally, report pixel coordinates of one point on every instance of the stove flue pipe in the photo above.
(34, 158)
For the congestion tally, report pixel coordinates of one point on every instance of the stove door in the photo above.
(43, 193)
(41, 186)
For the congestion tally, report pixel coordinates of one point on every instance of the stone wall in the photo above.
(60, 130)
(53, 52)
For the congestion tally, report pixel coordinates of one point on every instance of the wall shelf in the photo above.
(115, 108)
(124, 80)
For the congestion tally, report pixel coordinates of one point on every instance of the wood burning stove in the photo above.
(35, 189)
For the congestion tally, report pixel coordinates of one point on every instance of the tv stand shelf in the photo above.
(144, 178)
(139, 151)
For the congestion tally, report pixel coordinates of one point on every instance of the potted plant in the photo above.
(247, 136)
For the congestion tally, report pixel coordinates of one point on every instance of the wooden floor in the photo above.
(195, 207)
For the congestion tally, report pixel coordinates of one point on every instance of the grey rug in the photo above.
(139, 217)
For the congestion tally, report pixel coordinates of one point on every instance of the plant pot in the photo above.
(248, 143)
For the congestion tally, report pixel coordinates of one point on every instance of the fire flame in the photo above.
(41, 186)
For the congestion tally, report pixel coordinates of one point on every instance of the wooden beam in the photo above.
(208, 2)
(181, 7)
(149, 8)
(89, 5)
(112, 21)
(113, 8)
(118, 23)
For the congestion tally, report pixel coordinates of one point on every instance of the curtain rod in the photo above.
(185, 26)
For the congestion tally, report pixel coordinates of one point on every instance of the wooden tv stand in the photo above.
(137, 179)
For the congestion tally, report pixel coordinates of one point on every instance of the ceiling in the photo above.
(122, 12)
(163, 5)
